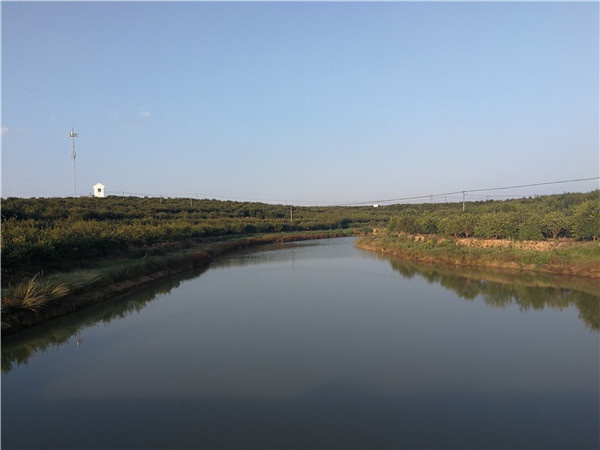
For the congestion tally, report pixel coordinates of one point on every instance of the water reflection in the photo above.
(317, 345)
(498, 289)
(501, 288)
(18, 348)
(273, 253)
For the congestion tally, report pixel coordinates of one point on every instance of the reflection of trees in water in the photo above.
(501, 288)
(497, 288)
(17, 349)
(281, 252)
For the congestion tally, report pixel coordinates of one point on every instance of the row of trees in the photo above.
(46, 231)
(571, 215)
(49, 231)
(31, 242)
(160, 209)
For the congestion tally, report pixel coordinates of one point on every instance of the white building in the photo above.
(99, 190)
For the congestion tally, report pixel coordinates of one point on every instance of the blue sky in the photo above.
(300, 102)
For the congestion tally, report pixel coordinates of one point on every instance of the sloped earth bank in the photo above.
(494, 253)
(13, 321)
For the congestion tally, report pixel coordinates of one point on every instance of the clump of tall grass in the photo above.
(32, 294)
(79, 280)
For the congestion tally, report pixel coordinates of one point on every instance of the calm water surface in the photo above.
(313, 345)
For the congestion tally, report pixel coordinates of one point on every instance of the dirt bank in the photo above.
(534, 256)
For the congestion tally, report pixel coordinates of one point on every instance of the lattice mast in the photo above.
(73, 135)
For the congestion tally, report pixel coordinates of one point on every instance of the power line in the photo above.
(534, 184)
(472, 190)
(428, 197)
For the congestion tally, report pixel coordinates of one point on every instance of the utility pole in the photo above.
(464, 193)
(73, 135)
(291, 214)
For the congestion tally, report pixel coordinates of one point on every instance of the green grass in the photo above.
(578, 258)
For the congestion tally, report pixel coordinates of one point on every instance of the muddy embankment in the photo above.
(542, 257)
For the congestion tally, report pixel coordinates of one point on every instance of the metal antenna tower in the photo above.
(73, 135)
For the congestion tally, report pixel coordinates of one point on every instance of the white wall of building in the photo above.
(99, 190)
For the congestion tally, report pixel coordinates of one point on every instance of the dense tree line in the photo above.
(45, 231)
(549, 217)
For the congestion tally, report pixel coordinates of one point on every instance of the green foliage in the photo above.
(405, 222)
(427, 224)
(575, 258)
(586, 220)
(555, 224)
(550, 217)
(44, 233)
(458, 225)
(501, 225)
(531, 228)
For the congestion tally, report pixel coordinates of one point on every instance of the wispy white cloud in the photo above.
(6, 130)
(146, 114)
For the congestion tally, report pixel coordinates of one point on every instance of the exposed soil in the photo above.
(527, 245)
(574, 270)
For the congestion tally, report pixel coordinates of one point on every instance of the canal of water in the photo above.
(313, 344)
